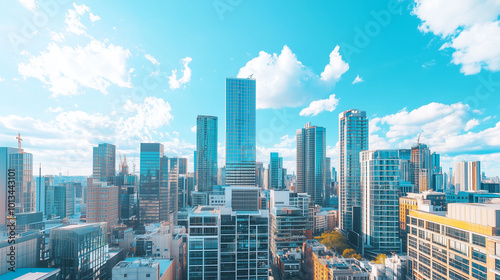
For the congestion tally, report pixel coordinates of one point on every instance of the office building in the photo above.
(467, 176)
(104, 163)
(27, 252)
(353, 138)
(240, 132)
(460, 244)
(206, 152)
(260, 175)
(102, 203)
(311, 159)
(276, 172)
(420, 167)
(33, 273)
(380, 192)
(158, 186)
(80, 251)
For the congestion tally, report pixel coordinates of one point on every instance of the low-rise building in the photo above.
(140, 269)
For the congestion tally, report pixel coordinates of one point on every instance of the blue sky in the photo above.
(74, 74)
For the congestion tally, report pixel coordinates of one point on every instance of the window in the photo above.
(148, 275)
(125, 275)
(478, 271)
(456, 276)
(479, 240)
(459, 247)
(478, 255)
(460, 263)
(457, 234)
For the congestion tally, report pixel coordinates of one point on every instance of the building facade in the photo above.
(240, 132)
(276, 175)
(206, 152)
(104, 163)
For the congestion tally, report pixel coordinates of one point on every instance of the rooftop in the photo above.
(29, 273)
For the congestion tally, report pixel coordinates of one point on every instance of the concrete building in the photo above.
(467, 176)
(459, 244)
(32, 273)
(102, 203)
(420, 167)
(140, 269)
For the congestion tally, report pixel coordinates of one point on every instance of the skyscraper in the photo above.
(420, 167)
(467, 176)
(158, 186)
(311, 160)
(240, 132)
(380, 191)
(102, 203)
(276, 176)
(206, 152)
(104, 162)
(353, 138)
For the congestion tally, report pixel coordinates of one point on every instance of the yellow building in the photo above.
(463, 243)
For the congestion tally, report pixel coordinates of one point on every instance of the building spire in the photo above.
(19, 139)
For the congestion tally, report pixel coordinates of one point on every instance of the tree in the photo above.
(350, 253)
(380, 259)
(334, 240)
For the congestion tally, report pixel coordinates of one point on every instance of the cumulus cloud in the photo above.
(65, 142)
(54, 110)
(334, 70)
(464, 27)
(358, 79)
(29, 4)
(56, 36)
(65, 70)
(186, 75)
(471, 124)
(152, 59)
(319, 106)
(193, 129)
(283, 81)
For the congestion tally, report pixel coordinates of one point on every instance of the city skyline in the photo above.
(430, 91)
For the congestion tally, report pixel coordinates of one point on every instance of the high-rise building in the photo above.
(353, 138)
(158, 186)
(328, 180)
(420, 167)
(311, 159)
(461, 244)
(80, 251)
(380, 191)
(104, 163)
(206, 152)
(240, 132)
(102, 203)
(467, 176)
(260, 175)
(60, 201)
(229, 242)
(276, 175)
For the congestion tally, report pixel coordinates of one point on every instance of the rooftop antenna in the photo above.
(19, 139)
(418, 139)
(250, 77)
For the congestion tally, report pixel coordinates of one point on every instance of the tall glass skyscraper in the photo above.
(158, 186)
(240, 132)
(206, 152)
(353, 138)
(276, 176)
(311, 160)
(104, 162)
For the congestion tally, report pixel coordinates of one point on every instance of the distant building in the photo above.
(206, 152)
(104, 163)
(102, 203)
(311, 159)
(467, 176)
(276, 174)
(79, 251)
(240, 131)
(420, 167)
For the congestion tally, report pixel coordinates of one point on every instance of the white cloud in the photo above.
(186, 75)
(319, 106)
(193, 129)
(283, 81)
(94, 18)
(65, 70)
(54, 110)
(152, 59)
(56, 36)
(29, 4)
(66, 141)
(358, 79)
(464, 27)
(471, 124)
(334, 70)
(2, 79)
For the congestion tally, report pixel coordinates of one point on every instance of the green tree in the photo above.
(380, 259)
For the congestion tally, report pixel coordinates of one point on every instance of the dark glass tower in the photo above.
(104, 162)
(240, 132)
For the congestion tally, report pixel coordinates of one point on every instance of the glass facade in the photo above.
(240, 132)
(80, 251)
(206, 153)
(104, 162)
(276, 174)
(353, 138)
(380, 200)
(311, 160)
